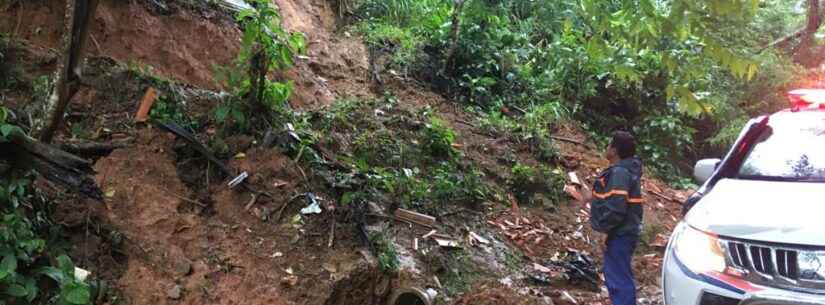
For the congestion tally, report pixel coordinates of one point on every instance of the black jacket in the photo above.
(616, 208)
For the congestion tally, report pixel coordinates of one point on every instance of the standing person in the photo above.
(616, 210)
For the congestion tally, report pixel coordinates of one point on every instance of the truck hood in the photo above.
(781, 212)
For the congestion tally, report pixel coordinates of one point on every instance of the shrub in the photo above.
(387, 254)
(437, 139)
(265, 46)
(24, 253)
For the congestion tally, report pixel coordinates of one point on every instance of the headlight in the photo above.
(698, 251)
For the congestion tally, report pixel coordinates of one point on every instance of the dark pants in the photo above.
(618, 273)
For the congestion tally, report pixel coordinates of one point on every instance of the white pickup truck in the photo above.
(754, 233)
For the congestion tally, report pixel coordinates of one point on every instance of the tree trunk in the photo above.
(79, 14)
(803, 53)
(454, 35)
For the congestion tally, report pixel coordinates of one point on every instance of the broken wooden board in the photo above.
(414, 217)
(574, 178)
(447, 243)
(146, 103)
(478, 238)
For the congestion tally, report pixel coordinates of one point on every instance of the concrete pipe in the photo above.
(411, 296)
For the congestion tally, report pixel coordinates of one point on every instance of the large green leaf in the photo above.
(76, 294)
(9, 263)
(16, 290)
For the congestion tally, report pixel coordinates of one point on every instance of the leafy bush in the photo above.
(438, 138)
(661, 138)
(527, 181)
(24, 254)
(169, 110)
(387, 254)
(265, 46)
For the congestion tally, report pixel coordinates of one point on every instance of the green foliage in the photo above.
(7, 130)
(659, 137)
(458, 272)
(615, 64)
(263, 32)
(438, 138)
(167, 109)
(387, 254)
(402, 42)
(526, 181)
(24, 254)
(265, 46)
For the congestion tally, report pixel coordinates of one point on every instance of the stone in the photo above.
(175, 292)
(182, 268)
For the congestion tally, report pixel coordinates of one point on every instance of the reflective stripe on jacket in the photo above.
(616, 208)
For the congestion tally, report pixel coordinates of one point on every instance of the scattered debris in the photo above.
(476, 238)
(81, 274)
(541, 268)
(574, 178)
(416, 218)
(182, 133)
(146, 103)
(567, 297)
(279, 183)
(447, 243)
(573, 191)
(289, 281)
(238, 180)
(314, 207)
(431, 233)
(579, 269)
(523, 232)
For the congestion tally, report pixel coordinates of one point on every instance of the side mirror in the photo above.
(704, 169)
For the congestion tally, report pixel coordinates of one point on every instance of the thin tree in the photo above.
(79, 14)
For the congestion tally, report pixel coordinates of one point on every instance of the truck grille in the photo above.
(765, 260)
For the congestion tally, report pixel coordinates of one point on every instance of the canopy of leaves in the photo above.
(687, 65)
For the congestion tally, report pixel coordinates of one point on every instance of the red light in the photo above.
(807, 99)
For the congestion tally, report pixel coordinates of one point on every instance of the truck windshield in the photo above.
(791, 149)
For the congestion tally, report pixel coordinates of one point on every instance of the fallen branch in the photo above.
(663, 196)
(574, 141)
(93, 148)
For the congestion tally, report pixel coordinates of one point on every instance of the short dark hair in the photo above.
(624, 143)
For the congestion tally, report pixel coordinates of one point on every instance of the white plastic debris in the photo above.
(313, 208)
(81, 274)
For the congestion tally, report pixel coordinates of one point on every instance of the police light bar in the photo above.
(807, 99)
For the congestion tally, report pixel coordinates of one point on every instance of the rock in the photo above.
(289, 281)
(175, 292)
(182, 268)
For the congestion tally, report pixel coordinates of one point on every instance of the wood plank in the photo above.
(417, 218)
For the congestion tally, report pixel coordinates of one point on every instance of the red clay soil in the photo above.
(185, 46)
(188, 45)
(496, 295)
(230, 257)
